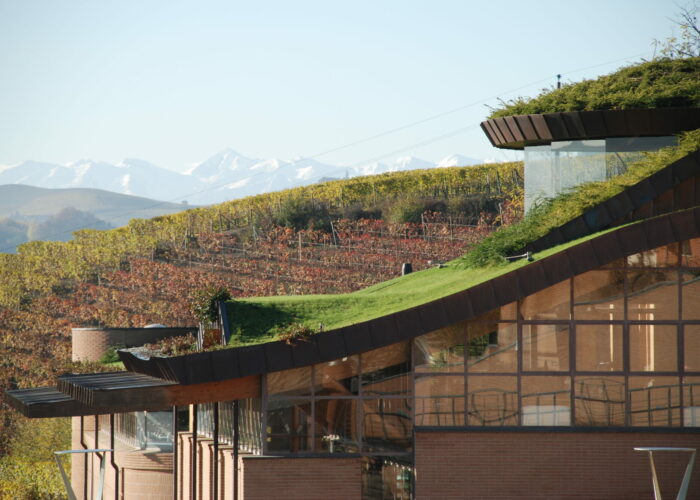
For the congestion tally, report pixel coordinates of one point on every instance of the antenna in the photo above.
(558, 81)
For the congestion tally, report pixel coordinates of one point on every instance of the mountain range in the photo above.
(226, 175)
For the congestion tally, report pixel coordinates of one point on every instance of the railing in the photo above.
(250, 424)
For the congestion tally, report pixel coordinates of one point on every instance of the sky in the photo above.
(348, 83)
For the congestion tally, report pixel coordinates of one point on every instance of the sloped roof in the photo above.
(411, 322)
(156, 383)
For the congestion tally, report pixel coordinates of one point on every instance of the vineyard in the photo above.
(302, 241)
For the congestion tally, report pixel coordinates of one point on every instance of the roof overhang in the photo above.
(119, 392)
(46, 402)
(517, 132)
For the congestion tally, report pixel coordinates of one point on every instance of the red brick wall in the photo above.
(302, 478)
(89, 344)
(551, 465)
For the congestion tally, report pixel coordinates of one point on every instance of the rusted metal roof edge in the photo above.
(514, 132)
(408, 323)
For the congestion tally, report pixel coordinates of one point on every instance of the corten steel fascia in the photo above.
(91, 394)
(513, 132)
(623, 206)
(46, 402)
(461, 306)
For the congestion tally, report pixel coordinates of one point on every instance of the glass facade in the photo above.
(616, 347)
(554, 168)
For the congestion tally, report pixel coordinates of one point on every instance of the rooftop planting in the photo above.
(263, 319)
(656, 84)
(569, 205)
(267, 318)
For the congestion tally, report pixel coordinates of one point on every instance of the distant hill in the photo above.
(225, 176)
(27, 203)
(31, 213)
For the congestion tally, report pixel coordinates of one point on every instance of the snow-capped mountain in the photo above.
(224, 176)
(458, 161)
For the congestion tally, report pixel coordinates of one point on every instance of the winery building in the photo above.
(535, 379)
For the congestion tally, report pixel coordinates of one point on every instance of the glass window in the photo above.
(550, 303)
(654, 401)
(387, 425)
(440, 400)
(546, 400)
(652, 295)
(653, 347)
(339, 377)
(599, 348)
(507, 313)
(546, 347)
(600, 401)
(691, 402)
(288, 425)
(441, 350)
(492, 347)
(387, 371)
(294, 382)
(690, 253)
(552, 169)
(600, 295)
(690, 285)
(492, 400)
(663, 256)
(387, 477)
(336, 425)
(691, 340)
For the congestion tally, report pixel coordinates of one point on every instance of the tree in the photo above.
(687, 44)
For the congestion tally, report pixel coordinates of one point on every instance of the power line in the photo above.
(373, 137)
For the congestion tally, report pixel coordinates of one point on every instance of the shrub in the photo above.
(175, 346)
(111, 355)
(296, 332)
(205, 304)
(28, 471)
(303, 214)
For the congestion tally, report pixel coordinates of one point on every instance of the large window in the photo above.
(355, 404)
(561, 165)
(618, 346)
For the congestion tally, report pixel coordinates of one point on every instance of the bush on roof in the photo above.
(656, 84)
(569, 205)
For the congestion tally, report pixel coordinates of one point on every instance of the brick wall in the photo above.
(143, 474)
(89, 344)
(548, 465)
(302, 478)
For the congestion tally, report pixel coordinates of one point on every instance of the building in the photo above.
(532, 380)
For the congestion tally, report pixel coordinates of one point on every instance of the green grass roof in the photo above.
(260, 319)
(657, 84)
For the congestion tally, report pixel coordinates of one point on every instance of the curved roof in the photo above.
(674, 187)
(403, 325)
(516, 132)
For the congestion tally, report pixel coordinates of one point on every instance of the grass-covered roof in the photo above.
(656, 84)
(257, 320)
(262, 319)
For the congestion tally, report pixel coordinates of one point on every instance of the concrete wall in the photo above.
(537, 465)
(89, 344)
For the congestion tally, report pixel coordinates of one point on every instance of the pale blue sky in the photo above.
(174, 82)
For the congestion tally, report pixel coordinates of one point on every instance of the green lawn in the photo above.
(259, 319)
